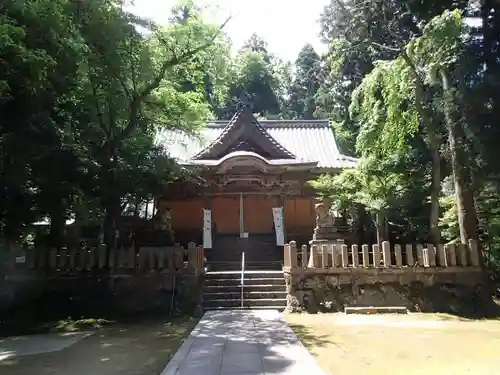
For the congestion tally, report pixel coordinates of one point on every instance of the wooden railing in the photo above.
(176, 259)
(385, 256)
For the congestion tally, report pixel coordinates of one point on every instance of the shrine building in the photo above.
(251, 193)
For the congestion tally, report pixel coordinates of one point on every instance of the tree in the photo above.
(134, 85)
(253, 83)
(305, 84)
(41, 53)
(83, 92)
(405, 85)
(445, 34)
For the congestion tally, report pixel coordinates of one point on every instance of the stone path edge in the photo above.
(175, 362)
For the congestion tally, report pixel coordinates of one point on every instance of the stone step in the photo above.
(375, 310)
(280, 308)
(247, 282)
(250, 274)
(274, 265)
(232, 288)
(277, 294)
(250, 302)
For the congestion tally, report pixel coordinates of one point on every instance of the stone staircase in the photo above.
(257, 248)
(261, 290)
(274, 265)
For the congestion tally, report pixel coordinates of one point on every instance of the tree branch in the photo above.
(100, 115)
(151, 86)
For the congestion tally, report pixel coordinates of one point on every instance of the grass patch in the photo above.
(415, 344)
(70, 325)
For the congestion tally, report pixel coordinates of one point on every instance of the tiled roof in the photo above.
(309, 141)
(243, 121)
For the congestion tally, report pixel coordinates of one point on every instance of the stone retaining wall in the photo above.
(79, 284)
(454, 290)
(116, 295)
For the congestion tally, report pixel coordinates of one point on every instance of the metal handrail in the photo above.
(242, 275)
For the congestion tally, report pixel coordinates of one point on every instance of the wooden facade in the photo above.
(299, 215)
(241, 176)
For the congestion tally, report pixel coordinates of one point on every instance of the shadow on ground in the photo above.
(140, 349)
(310, 338)
(244, 342)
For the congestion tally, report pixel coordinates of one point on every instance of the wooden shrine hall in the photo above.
(252, 194)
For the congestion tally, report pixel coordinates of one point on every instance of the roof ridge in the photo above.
(309, 124)
(244, 111)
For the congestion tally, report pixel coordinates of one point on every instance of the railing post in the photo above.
(425, 256)
(242, 276)
(451, 254)
(376, 255)
(314, 258)
(286, 255)
(399, 255)
(462, 254)
(410, 261)
(386, 254)
(293, 254)
(345, 256)
(474, 253)
(355, 256)
(324, 256)
(336, 256)
(366, 256)
(420, 255)
(441, 256)
(305, 258)
(432, 255)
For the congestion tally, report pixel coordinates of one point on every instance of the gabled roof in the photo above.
(244, 128)
(302, 141)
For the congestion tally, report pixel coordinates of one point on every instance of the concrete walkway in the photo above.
(38, 344)
(242, 343)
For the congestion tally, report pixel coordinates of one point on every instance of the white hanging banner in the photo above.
(278, 225)
(207, 229)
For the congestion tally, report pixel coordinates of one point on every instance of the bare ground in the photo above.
(143, 349)
(413, 344)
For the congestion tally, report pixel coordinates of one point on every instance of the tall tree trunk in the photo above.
(109, 195)
(434, 232)
(358, 227)
(111, 221)
(467, 216)
(433, 144)
(382, 227)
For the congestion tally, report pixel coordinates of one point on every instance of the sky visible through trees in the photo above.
(411, 89)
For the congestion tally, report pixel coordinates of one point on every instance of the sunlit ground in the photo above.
(414, 344)
(142, 349)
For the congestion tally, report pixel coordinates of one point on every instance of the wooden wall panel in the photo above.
(299, 214)
(226, 214)
(258, 213)
(289, 213)
(186, 214)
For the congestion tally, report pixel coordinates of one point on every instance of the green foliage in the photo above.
(384, 104)
(441, 43)
(370, 184)
(304, 87)
(83, 93)
(254, 82)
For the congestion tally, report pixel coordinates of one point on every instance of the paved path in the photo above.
(242, 343)
(38, 344)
